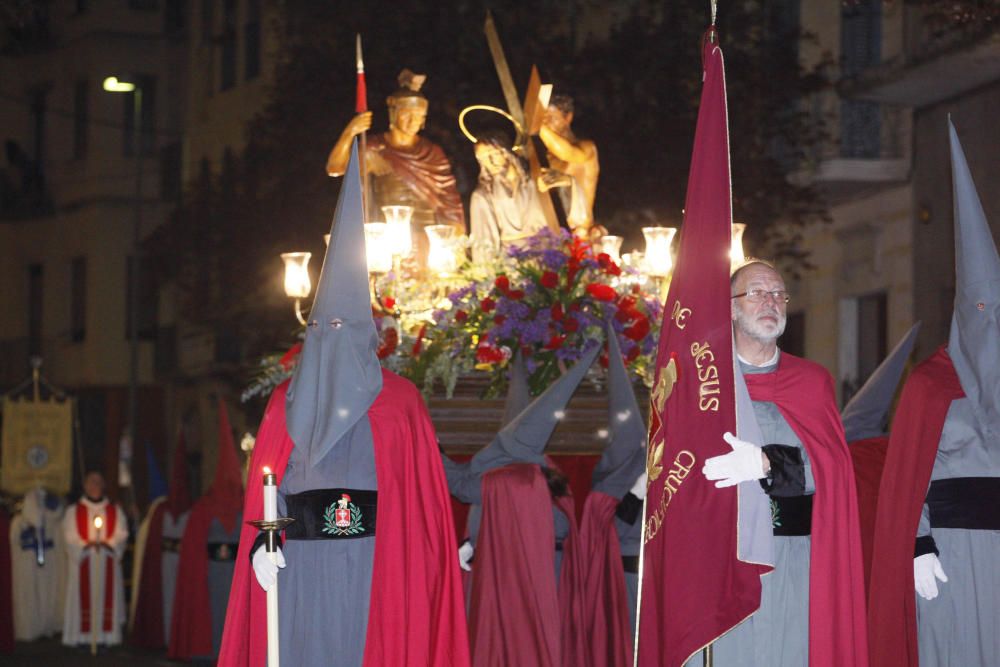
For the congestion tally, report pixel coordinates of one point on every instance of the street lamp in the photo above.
(113, 84)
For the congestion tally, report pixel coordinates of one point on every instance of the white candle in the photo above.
(270, 496)
(98, 524)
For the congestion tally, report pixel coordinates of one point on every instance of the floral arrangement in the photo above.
(551, 297)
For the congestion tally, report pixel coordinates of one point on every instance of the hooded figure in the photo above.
(617, 490)
(371, 575)
(207, 556)
(518, 615)
(157, 549)
(945, 433)
(865, 423)
(39, 570)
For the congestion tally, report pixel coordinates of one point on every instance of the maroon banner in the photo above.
(694, 588)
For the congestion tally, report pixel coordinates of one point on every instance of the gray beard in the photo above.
(757, 331)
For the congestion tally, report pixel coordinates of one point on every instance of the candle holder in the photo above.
(271, 529)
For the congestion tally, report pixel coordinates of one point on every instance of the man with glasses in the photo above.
(801, 462)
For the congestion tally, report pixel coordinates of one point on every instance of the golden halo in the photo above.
(518, 139)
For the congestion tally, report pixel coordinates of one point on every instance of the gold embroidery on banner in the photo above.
(682, 465)
(654, 461)
(665, 385)
(708, 377)
(679, 315)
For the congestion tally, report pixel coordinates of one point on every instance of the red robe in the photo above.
(803, 392)
(416, 615)
(913, 443)
(868, 456)
(606, 625)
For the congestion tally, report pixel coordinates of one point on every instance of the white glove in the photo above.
(265, 569)
(639, 488)
(465, 555)
(745, 463)
(925, 569)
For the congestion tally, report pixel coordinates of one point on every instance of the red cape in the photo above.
(868, 456)
(416, 616)
(147, 628)
(514, 609)
(913, 443)
(803, 392)
(426, 170)
(606, 624)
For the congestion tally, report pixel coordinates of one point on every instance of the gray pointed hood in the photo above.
(524, 439)
(624, 456)
(518, 392)
(338, 374)
(865, 414)
(974, 342)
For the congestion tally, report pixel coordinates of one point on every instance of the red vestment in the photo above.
(425, 169)
(803, 393)
(913, 442)
(416, 615)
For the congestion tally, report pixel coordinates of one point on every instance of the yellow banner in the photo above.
(37, 441)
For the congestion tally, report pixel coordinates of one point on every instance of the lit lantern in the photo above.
(612, 245)
(398, 219)
(736, 254)
(442, 258)
(658, 261)
(297, 285)
(377, 247)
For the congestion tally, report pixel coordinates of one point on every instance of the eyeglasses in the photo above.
(760, 295)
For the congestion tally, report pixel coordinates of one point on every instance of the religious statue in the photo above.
(574, 168)
(405, 168)
(504, 207)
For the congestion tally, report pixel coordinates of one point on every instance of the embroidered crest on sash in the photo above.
(342, 518)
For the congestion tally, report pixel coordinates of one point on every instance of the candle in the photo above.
(98, 524)
(270, 496)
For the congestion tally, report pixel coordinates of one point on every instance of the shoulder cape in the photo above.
(803, 392)
(416, 616)
(913, 442)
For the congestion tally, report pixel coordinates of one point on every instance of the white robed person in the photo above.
(95, 530)
(38, 567)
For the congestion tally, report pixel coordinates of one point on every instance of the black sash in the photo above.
(791, 516)
(972, 503)
(631, 564)
(331, 514)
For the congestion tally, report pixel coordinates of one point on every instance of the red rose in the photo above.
(389, 343)
(388, 302)
(613, 269)
(555, 342)
(502, 283)
(488, 304)
(632, 355)
(549, 279)
(557, 311)
(574, 307)
(601, 292)
(516, 294)
(571, 324)
(604, 259)
(603, 359)
(461, 316)
(418, 345)
(638, 330)
(289, 358)
(487, 354)
(499, 319)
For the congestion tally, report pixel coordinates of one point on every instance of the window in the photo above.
(207, 20)
(35, 297)
(80, 119)
(38, 110)
(227, 78)
(147, 84)
(78, 299)
(251, 41)
(174, 16)
(147, 300)
(863, 335)
(860, 48)
(793, 341)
